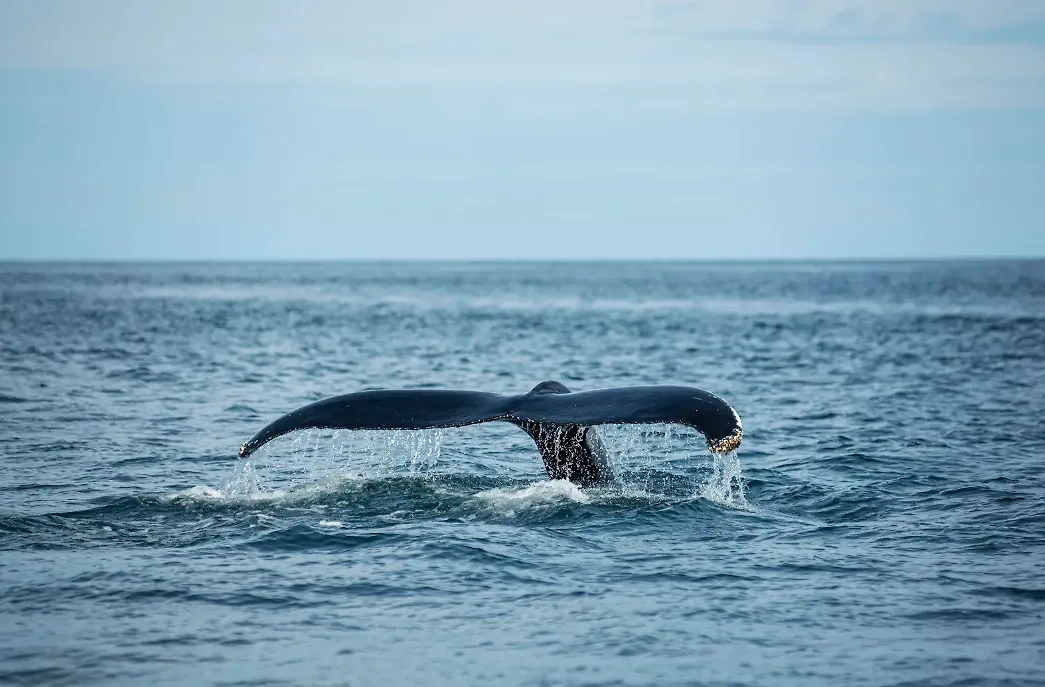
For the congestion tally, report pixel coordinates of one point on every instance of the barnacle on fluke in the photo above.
(557, 419)
(728, 444)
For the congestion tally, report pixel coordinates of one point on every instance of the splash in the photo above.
(244, 483)
(510, 500)
(647, 462)
(244, 486)
(323, 455)
(724, 484)
(200, 492)
(320, 463)
(657, 460)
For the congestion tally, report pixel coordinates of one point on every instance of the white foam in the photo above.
(202, 492)
(243, 487)
(535, 495)
(331, 523)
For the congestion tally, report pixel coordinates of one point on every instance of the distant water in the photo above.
(882, 523)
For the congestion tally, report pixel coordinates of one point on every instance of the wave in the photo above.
(317, 491)
(306, 516)
(509, 501)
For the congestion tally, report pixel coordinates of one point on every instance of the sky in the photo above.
(546, 129)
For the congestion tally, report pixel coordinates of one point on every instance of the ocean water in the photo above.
(882, 523)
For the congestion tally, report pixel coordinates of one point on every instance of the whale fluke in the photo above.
(557, 419)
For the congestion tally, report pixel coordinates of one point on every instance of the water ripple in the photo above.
(887, 496)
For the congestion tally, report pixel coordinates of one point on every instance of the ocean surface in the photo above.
(883, 522)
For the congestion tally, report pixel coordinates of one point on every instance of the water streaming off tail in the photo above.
(324, 456)
(671, 460)
(653, 461)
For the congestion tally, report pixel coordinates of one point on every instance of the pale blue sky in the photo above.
(340, 130)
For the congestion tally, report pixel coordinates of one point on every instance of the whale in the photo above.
(559, 420)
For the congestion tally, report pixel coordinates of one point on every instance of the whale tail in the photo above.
(569, 451)
(560, 422)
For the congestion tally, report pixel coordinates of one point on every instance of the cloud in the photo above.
(891, 54)
(913, 18)
(855, 25)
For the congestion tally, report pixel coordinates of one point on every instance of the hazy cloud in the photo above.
(703, 55)
(546, 128)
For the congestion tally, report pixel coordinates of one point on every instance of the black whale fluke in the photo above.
(557, 419)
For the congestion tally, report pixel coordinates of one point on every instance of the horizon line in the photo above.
(501, 260)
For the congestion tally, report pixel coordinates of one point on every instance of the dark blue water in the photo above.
(882, 523)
